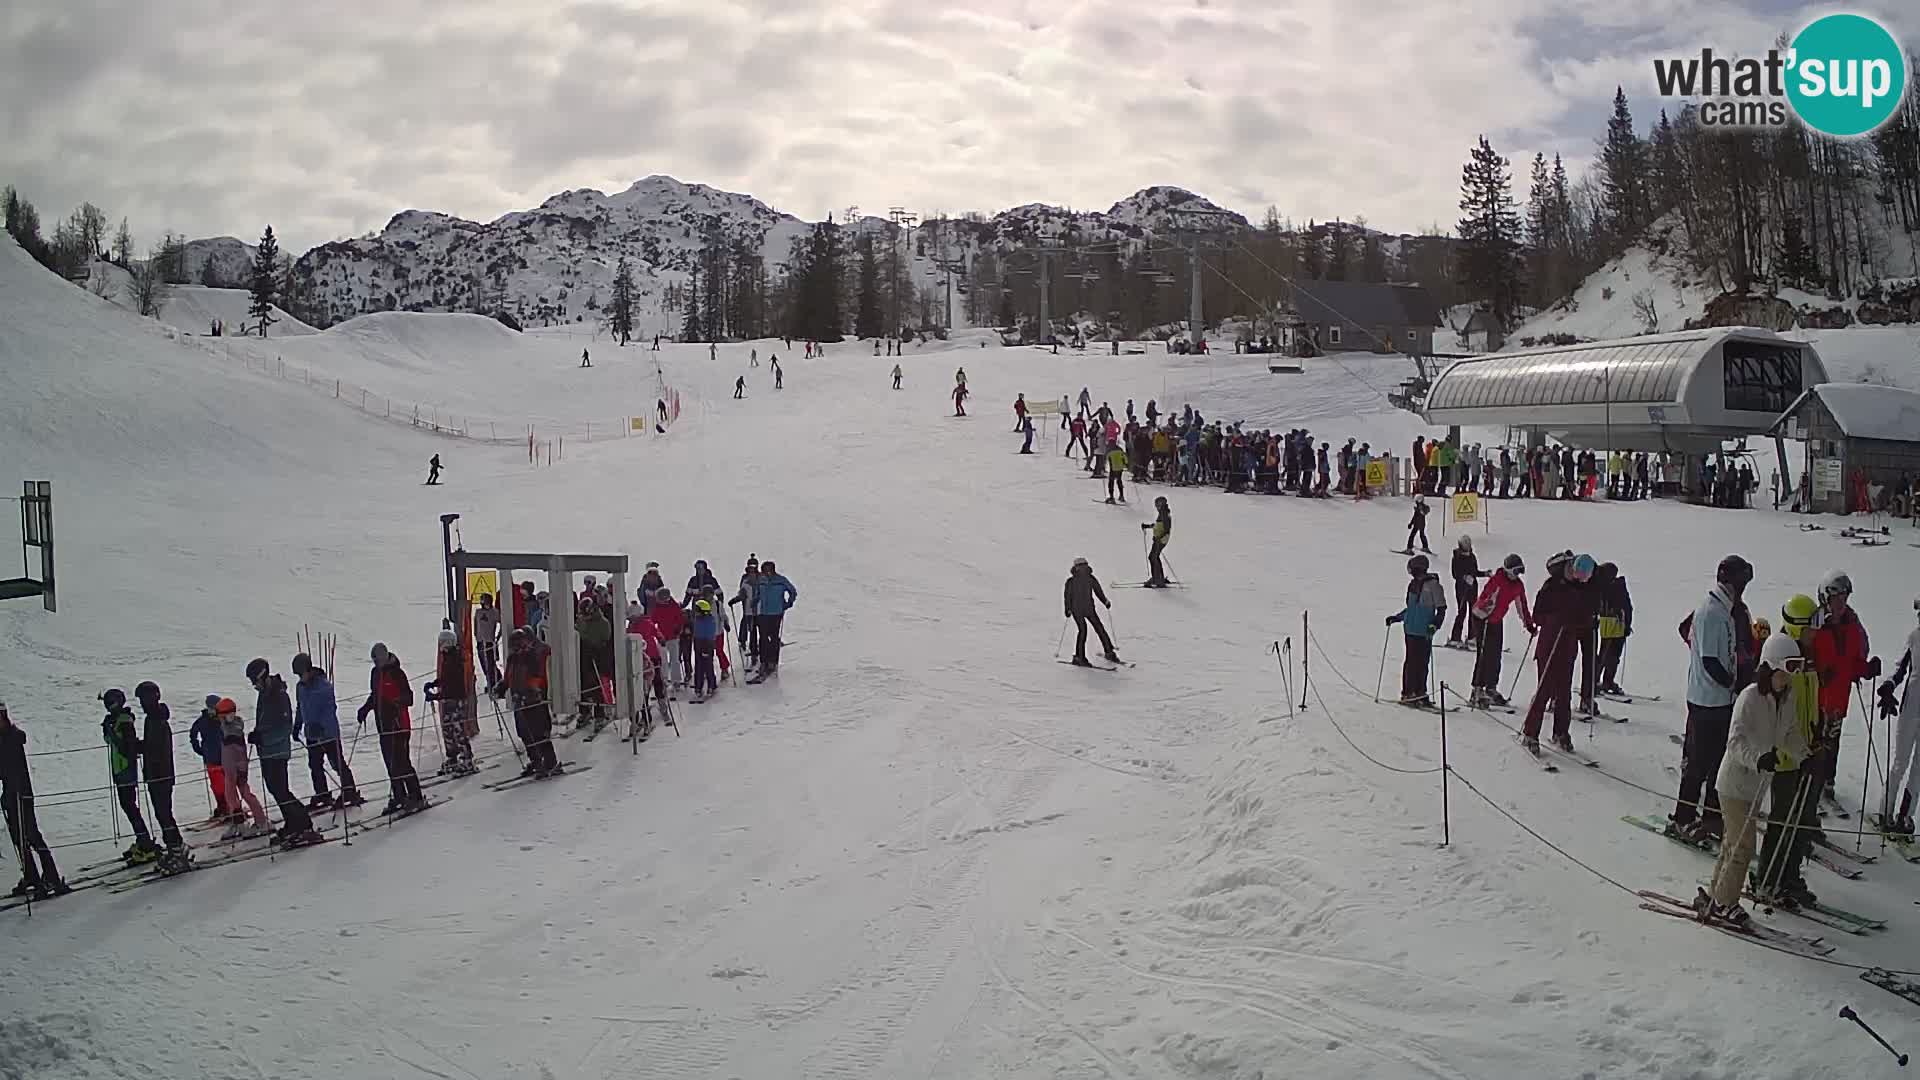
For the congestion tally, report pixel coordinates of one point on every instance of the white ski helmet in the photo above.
(1778, 650)
(448, 640)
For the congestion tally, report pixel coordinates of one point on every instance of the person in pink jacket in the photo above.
(1503, 590)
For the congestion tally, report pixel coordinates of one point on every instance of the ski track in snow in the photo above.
(924, 850)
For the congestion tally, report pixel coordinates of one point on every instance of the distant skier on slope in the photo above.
(586, 361)
(1417, 525)
(779, 376)
(896, 376)
(433, 471)
(739, 388)
(1078, 595)
(960, 399)
(1424, 613)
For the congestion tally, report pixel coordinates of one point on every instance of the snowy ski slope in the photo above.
(926, 850)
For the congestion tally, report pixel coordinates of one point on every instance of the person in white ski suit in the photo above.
(1898, 813)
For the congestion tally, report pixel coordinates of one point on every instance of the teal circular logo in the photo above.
(1846, 75)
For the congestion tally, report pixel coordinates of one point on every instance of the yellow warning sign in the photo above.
(482, 582)
(1466, 506)
(1377, 473)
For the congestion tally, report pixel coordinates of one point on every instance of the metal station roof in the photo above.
(1651, 370)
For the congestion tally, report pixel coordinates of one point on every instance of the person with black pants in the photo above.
(1422, 616)
(123, 755)
(1082, 589)
(772, 597)
(272, 737)
(526, 683)
(389, 696)
(1718, 636)
(156, 757)
(1417, 525)
(1161, 531)
(23, 828)
(1466, 586)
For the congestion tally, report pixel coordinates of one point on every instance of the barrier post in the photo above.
(1446, 826)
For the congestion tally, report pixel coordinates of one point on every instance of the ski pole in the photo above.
(1769, 874)
(1062, 643)
(1847, 1013)
(1380, 680)
(1860, 838)
(1521, 666)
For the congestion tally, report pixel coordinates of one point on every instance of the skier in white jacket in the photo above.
(1898, 818)
(1764, 738)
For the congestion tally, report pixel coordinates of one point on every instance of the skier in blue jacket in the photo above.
(705, 623)
(316, 721)
(272, 737)
(1422, 617)
(772, 597)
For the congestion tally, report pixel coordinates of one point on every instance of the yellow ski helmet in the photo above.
(1796, 615)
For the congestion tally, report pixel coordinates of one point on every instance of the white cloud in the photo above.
(218, 116)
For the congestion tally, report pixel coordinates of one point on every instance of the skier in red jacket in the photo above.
(1503, 590)
(1837, 646)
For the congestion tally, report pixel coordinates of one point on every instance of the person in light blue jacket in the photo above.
(316, 721)
(1423, 616)
(772, 597)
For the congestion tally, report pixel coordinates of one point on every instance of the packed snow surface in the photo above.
(926, 849)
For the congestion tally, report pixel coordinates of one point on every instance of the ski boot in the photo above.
(392, 807)
(1798, 892)
(22, 888)
(1499, 699)
(1563, 743)
(351, 798)
(465, 767)
(1530, 744)
(141, 853)
(302, 839)
(1417, 701)
(320, 804)
(175, 861)
(1081, 661)
(1112, 657)
(1479, 699)
(47, 890)
(530, 769)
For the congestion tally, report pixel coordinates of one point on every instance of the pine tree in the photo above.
(817, 307)
(867, 322)
(692, 329)
(10, 201)
(1313, 252)
(1623, 173)
(123, 247)
(1540, 243)
(620, 308)
(1008, 317)
(1339, 253)
(266, 265)
(1489, 233)
(1373, 257)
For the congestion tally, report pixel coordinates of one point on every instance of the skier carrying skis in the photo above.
(40, 881)
(1417, 525)
(1503, 589)
(205, 737)
(156, 761)
(1897, 819)
(1466, 585)
(389, 697)
(1616, 626)
(1081, 590)
(123, 755)
(273, 736)
(1763, 739)
(316, 722)
(433, 471)
(1161, 531)
(1563, 611)
(772, 599)
(448, 693)
(527, 689)
(1713, 678)
(1421, 618)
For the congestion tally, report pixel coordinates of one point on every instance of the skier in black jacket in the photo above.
(156, 762)
(1466, 586)
(1081, 591)
(16, 800)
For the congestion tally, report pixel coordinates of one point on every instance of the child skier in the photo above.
(705, 625)
(1417, 527)
(1422, 617)
(205, 737)
(1503, 589)
(23, 827)
(123, 755)
(1898, 820)
(233, 764)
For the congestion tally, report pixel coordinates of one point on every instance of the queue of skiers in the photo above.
(1187, 450)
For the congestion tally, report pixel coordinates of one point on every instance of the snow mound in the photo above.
(193, 308)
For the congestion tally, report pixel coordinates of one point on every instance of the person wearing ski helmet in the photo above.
(1422, 616)
(1466, 587)
(1903, 774)
(1839, 653)
(272, 738)
(749, 622)
(123, 758)
(1504, 589)
(1161, 531)
(448, 694)
(1417, 525)
(1078, 597)
(1763, 740)
(650, 585)
(1616, 625)
(1563, 612)
(698, 583)
(772, 599)
(705, 625)
(156, 761)
(526, 676)
(39, 875)
(390, 700)
(205, 737)
(1713, 679)
(595, 635)
(316, 722)
(233, 765)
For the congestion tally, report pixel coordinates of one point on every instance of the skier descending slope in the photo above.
(23, 828)
(1713, 678)
(1422, 617)
(774, 596)
(1082, 589)
(1905, 769)
(1563, 611)
(1764, 738)
(1504, 588)
(123, 754)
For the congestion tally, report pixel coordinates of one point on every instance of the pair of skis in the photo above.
(567, 768)
(1751, 930)
(1659, 827)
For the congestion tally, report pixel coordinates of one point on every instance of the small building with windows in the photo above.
(1862, 447)
(1362, 316)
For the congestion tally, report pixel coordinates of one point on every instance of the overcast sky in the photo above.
(219, 116)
